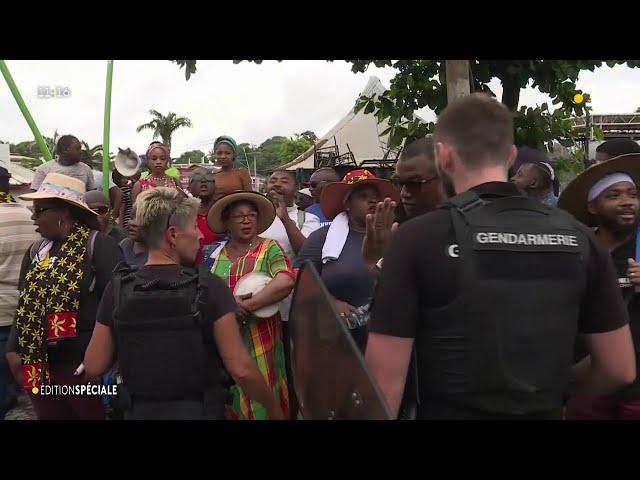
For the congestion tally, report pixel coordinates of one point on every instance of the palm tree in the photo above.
(164, 127)
(93, 153)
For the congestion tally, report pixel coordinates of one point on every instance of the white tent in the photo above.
(356, 132)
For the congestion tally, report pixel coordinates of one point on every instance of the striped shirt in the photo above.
(17, 234)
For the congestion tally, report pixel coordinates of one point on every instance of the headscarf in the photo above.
(162, 147)
(228, 140)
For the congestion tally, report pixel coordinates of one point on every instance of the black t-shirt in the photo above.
(420, 271)
(620, 258)
(348, 279)
(106, 257)
(118, 233)
(218, 299)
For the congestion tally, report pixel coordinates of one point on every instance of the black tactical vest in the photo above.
(505, 344)
(159, 337)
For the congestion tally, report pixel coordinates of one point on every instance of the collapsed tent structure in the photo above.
(353, 141)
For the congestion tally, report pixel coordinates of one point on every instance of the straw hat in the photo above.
(333, 195)
(266, 210)
(573, 198)
(68, 189)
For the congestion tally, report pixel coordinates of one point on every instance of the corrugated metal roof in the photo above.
(19, 174)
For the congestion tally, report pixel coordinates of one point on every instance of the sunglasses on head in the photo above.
(197, 177)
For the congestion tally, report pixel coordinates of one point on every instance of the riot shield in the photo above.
(330, 377)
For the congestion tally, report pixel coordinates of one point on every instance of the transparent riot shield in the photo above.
(330, 377)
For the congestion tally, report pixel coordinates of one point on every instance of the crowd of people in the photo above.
(474, 287)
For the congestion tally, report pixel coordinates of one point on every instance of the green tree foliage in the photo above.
(192, 156)
(164, 126)
(273, 152)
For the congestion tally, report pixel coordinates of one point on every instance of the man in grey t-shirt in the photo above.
(68, 163)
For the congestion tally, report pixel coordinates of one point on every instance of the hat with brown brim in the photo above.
(333, 195)
(574, 198)
(266, 210)
(69, 190)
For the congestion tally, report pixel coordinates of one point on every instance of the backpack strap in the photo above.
(91, 241)
(35, 248)
(464, 202)
(302, 216)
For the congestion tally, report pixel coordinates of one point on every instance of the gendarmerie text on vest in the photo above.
(526, 238)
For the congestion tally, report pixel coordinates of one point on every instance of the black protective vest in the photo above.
(505, 344)
(159, 337)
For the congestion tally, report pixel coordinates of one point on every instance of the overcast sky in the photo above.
(247, 101)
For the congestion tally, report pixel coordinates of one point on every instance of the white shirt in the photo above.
(278, 233)
(97, 176)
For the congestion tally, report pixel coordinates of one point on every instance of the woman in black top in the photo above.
(336, 250)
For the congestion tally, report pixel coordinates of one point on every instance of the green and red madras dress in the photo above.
(262, 336)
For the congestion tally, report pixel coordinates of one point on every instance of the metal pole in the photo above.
(107, 129)
(457, 72)
(255, 172)
(25, 111)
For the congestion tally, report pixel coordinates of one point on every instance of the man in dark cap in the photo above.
(616, 147)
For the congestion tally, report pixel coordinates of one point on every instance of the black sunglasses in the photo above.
(208, 177)
(413, 185)
(41, 210)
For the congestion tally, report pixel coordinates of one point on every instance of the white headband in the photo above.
(548, 168)
(605, 182)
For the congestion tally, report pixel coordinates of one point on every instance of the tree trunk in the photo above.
(511, 93)
(457, 79)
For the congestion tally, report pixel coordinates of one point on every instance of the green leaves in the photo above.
(422, 83)
(189, 67)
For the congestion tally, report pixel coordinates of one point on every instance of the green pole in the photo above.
(25, 111)
(107, 127)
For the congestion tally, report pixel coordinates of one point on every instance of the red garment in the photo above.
(209, 236)
(603, 408)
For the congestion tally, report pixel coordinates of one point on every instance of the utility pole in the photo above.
(457, 79)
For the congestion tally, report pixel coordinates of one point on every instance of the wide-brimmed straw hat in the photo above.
(574, 197)
(68, 189)
(266, 210)
(334, 194)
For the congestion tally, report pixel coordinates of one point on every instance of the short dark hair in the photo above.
(65, 141)
(618, 146)
(418, 148)
(478, 127)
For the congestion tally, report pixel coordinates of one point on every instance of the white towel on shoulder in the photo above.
(336, 238)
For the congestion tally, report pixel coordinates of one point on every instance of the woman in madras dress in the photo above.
(159, 160)
(245, 215)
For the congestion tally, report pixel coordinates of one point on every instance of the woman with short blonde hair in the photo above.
(175, 328)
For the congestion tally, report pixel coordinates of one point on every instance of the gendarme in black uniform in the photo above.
(494, 291)
(163, 331)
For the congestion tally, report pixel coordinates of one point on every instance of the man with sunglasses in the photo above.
(99, 203)
(202, 185)
(318, 180)
(17, 234)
